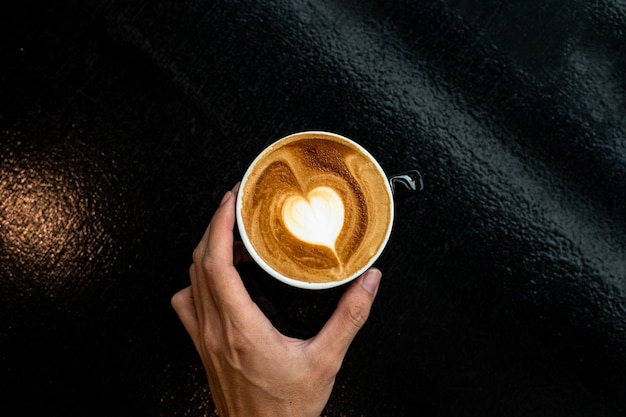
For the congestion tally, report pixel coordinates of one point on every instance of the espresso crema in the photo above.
(315, 208)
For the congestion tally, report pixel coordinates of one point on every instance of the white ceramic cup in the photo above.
(295, 282)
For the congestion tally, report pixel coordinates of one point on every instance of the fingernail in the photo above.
(236, 187)
(371, 280)
(226, 197)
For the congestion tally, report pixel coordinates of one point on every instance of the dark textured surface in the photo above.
(504, 289)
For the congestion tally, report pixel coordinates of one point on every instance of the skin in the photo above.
(253, 369)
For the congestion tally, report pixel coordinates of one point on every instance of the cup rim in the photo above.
(266, 267)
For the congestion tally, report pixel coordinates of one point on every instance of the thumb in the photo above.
(350, 315)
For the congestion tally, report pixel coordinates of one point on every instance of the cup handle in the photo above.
(411, 182)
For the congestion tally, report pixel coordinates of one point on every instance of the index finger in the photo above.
(219, 239)
(224, 280)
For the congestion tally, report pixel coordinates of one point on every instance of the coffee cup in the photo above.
(315, 209)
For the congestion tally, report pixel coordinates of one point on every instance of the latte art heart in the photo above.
(318, 219)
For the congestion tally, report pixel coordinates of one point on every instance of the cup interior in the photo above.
(250, 247)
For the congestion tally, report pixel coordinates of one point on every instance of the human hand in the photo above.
(253, 369)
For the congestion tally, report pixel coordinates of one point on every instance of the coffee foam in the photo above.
(316, 209)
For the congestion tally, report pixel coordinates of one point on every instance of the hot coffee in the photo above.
(315, 207)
